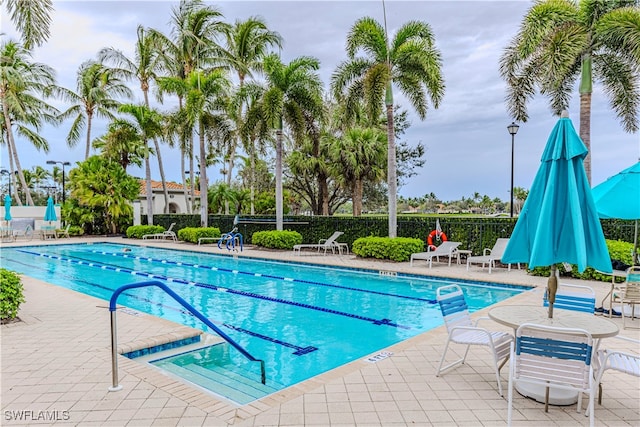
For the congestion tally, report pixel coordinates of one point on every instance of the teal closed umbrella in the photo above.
(7, 208)
(559, 221)
(619, 197)
(50, 213)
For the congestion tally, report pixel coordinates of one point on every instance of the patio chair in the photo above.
(64, 232)
(620, 361)
(447, 249)
(629, 294)
(552, 357)
(167, 234)
(325, 244)
(490, 256)
(573, 297)
(462, 330)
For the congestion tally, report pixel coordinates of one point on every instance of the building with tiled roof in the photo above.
(177, 201)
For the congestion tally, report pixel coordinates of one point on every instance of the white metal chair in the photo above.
(326, 244)
(629, 294)
(167, 234)
(553, 358)
(490, 256)
(573, 297)
(462, 330)
(620, 361)
(447, 249)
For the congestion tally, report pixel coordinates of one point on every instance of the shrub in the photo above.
(11, 294)
(396, 249)
(137, 231)
(192, 234)
(75, 230)
(621, 251)
(286, 239)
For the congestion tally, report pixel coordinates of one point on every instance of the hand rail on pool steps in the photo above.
(114, 345)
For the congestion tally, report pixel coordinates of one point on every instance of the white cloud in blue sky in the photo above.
(468, 146)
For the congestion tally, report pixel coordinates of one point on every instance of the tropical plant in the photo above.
(21, 81)
(411, 61)
(293, 94)
(148, 124)
(122, 144)
(97, 90)
(11, 294)
(103, 186)
(144, 67)
(219, 195)
(357, 156)
(32, 19)
(562, 41)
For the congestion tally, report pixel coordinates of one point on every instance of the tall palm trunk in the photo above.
(145, 91)
(88, 142)
(253, 176)
(204, 202)
(12, 149)
(586, 89)
(279, 210)
(357, 197)
(147, 169)
(193, 174)
(391, 170)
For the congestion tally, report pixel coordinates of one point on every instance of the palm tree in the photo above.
(148, 124)
(246, 45)
(292, 91)
(358, 156)
(122, 144)
(32, 19)
(144, 67)
(411, 61)
(96, 90)
(203, 92)
(562, 41)
(20, 81)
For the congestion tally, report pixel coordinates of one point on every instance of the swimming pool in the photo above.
(301, 319)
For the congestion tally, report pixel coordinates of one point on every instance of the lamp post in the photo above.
(63, 164)
(513, 129)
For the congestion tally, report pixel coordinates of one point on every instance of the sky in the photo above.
(468, 147)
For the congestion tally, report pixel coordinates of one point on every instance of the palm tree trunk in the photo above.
(279, 210)
(193, 176)
(204, 202)
(145, 91)
(147, 168)
(391, 172)
(12, 149)
(253, 176)
(585, 130)
(185, 192)
(356, 197)
(88, 142)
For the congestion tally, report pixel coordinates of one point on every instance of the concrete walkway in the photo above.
(56, 369)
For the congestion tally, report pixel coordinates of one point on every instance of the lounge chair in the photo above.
(167, 234)
(490, 256)
(64, 232)
(447, 249)
(629, 295)
(325, 244)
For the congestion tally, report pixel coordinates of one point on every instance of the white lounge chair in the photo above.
(447, 249)
(167, 234)
(64, 232)
(490, 256)
(325, 244)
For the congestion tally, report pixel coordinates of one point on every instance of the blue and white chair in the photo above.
(573, 297)
(620, 361)
(552, 357)
(463, 330)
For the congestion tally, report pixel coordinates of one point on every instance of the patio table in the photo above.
(515, 315)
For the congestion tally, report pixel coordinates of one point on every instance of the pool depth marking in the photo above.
(97, 264)
(269, 276)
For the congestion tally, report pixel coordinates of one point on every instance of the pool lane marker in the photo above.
(269, 276)
(386, 322)
(299, 351)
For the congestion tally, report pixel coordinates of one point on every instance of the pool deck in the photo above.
(56, 368)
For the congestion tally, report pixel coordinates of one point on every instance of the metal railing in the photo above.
(114, 344)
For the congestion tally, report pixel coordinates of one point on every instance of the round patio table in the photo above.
(515, 315)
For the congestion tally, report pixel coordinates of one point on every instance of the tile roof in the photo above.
(156, 187)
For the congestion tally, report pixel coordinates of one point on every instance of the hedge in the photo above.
(396, 249)
(192, 234)
(285, 239)
(11, 294)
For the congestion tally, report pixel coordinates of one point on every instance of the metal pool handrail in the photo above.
(114, 344)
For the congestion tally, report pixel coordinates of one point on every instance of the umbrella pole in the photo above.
(635, 261)
(552, 288)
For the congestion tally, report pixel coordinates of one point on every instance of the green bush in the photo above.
(192, 234)
(75, 230)
(137, 231)
(396, 249)
(285, 239)
(622, 251)
(11, 294)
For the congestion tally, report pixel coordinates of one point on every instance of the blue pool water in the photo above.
(301, 319)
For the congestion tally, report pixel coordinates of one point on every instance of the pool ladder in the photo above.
(114, 345)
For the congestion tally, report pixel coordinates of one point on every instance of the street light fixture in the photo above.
(513, 129)
(58, 162)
